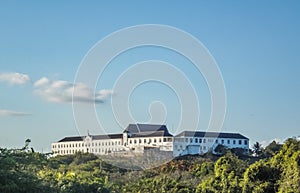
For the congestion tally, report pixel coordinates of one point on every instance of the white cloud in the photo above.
(4, 112)
(14, 78)
(63, 91)
(41, 82)
(103, 94)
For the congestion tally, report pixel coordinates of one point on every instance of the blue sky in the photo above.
(255, 44)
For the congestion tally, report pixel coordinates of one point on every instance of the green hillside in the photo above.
(273, 169)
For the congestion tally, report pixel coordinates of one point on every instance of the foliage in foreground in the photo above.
(274, 169)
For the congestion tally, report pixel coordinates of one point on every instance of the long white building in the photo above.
(137, 138)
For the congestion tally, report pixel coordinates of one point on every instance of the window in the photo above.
(228, 141)
(196, 140)
(200, 140)
(240, 142)
(170, 139)
(165, 140)
(150, 140)
(186, 140)
(234, 142)
(245, 142)
(130, 141)
(140, 141)
(135, 141)
(191, 140)
(217, 141)
(145, 141)
(159, 140)
(204, 140)
(204, 147)
(154, 140)
(222, 141)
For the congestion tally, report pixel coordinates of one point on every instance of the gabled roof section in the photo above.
(68, 139)
(94, 137)
(109, 136)
(147, 130)
(210, 134)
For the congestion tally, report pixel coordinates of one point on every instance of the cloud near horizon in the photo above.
(4, 112)
(265, 143)
(14, 78)
(61, 91)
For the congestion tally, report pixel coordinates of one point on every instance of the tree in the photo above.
(272, 149)
(18, 170)
(280, 173)
(260, 177)
(257, 148)
(287, 161)
(221, 149)
(228, 172)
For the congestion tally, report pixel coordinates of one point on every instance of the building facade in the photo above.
(138, 138)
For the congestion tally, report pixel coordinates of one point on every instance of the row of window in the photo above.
(72, 151)
(200, 140)
(149, 140)
(191, 140)
(87, 144)
(233, 141)
(180, 147)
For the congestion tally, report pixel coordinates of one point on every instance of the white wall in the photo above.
(197, 145)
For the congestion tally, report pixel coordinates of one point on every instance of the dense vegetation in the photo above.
(273, 169)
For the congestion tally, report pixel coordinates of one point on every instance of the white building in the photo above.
(137, 138)
(197, 142)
